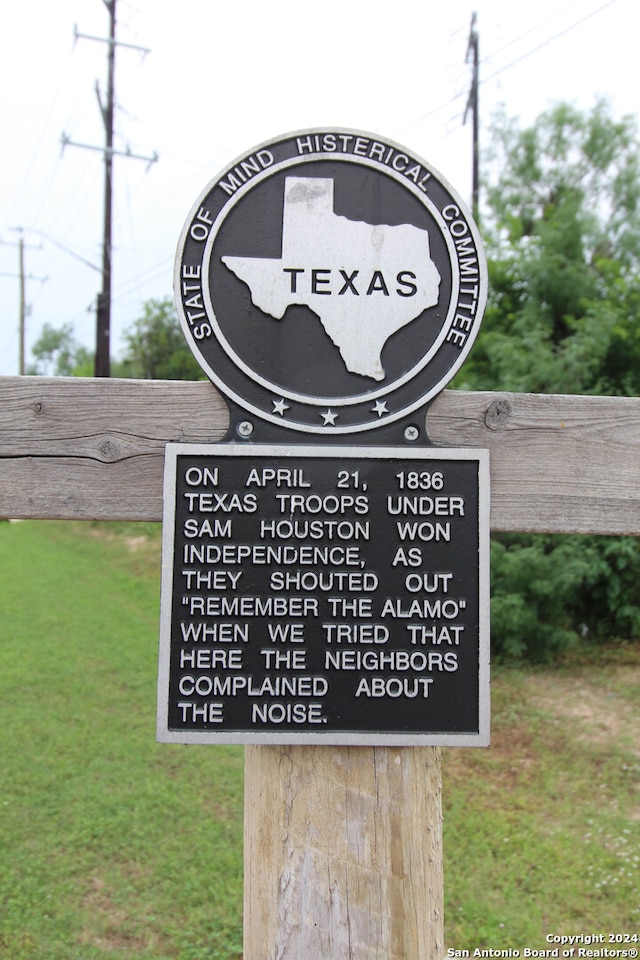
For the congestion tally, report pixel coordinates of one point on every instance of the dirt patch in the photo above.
(110, 928)
(601, 716)
(136, 543)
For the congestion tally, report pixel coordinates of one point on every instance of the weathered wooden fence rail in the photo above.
(343, 846)
(83, 449)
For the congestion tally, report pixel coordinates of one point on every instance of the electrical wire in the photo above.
(513, 63)
(545, 43)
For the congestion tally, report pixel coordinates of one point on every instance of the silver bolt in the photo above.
(411, 434)
(245, 428)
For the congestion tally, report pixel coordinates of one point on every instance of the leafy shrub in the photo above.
(611, 605)
(551, 591)
(561, 223)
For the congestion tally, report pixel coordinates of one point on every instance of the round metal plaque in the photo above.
(330, 282)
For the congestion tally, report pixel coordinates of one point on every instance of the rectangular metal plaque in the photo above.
(325, 594)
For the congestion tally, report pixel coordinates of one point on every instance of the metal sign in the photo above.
(330, 282)
(321, 594)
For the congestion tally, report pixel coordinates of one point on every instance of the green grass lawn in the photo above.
(542, 830)
(113, 847)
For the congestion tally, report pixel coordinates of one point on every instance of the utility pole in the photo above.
(103, 312)
(22, 309)
(472, 104)
(22, 305)
(103, 308)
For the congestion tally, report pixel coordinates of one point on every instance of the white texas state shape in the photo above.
(364, 281)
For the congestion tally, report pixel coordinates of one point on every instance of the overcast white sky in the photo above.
(221, 78)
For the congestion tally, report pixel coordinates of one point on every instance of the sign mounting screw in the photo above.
(245, 429)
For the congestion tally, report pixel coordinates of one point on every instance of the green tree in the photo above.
(562, 231)
(156, 348)
(57, 353)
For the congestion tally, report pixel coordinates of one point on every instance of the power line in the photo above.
(26, 175)
(66, 249)
(545, 43)
(532, 29)
(513, 63)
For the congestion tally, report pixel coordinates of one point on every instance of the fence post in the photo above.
(343, 853)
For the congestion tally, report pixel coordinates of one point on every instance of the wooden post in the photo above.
(343, 853)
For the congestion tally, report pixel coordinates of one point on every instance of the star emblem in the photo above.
(279, 406)
(329, 418)
(380, 408)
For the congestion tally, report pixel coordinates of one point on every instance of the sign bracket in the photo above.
(244, 427)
